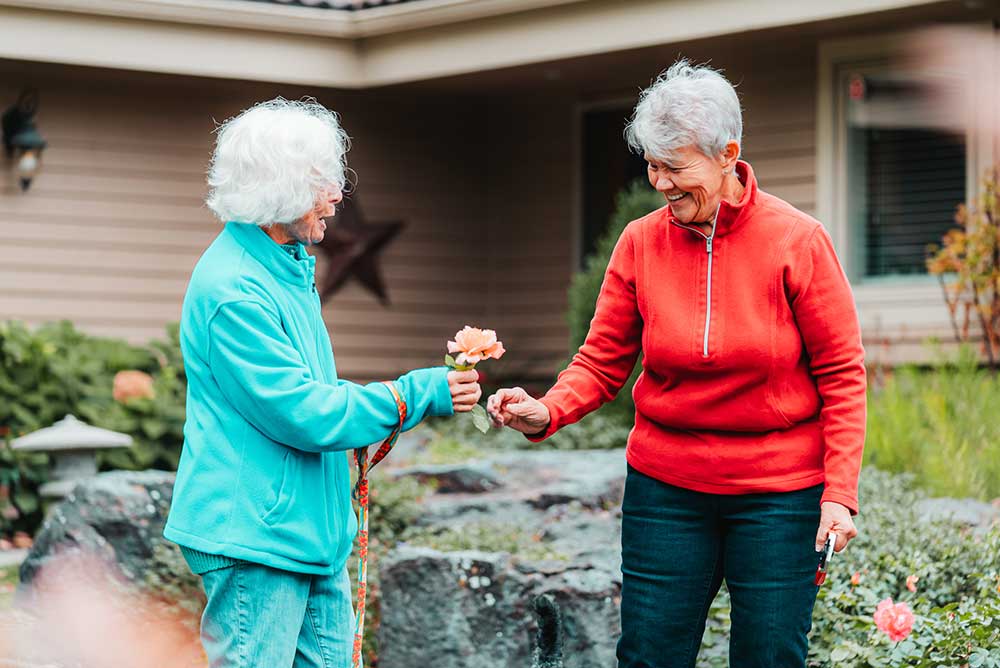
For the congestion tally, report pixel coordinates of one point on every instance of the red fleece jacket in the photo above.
(753, 374)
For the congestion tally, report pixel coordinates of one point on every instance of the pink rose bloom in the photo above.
(911, 582)
(856, 578)
(475, 345)
(895, 620)
(132, 385)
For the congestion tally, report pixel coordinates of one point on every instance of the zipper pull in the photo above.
(708, 244)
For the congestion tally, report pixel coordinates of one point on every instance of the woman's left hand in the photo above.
(837, 518)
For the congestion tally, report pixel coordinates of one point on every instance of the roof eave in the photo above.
(271, 17)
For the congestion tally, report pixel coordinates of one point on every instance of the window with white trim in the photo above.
(906, 167)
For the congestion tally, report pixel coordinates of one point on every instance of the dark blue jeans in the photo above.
(678, 545)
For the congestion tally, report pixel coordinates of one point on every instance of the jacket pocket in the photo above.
(285, 490)
(773, 402)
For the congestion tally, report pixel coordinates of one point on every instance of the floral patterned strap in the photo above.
(361, 494)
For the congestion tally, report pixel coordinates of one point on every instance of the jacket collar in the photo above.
(297, 268)
(731, 215)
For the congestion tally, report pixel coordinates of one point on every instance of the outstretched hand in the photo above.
(518, 410)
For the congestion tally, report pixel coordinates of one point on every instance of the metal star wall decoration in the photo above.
(351, 247)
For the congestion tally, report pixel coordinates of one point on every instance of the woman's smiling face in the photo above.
(692, 183)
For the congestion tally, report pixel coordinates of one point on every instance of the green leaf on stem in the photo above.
(479, 418)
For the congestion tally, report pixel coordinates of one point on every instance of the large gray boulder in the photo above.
(118, 518)
(474, 610)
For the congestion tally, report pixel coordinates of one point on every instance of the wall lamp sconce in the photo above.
(21, 138)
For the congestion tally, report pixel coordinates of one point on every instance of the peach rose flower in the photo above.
(895, 620)
(132, 385)
(911, 582)
(475, 345)
(856, 579)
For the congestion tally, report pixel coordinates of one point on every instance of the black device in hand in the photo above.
(824, 558)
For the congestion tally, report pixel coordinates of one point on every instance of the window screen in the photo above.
(906, 174)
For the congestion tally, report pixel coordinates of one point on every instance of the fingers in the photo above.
(470, 397)
(495, 407)
(464, 397)
(461, 377)
(824, 529)
(465, 390)
(499, 400)
(844, 536)
(835, 517)
(845, 533)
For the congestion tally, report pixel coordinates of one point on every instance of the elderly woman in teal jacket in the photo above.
(262, 503)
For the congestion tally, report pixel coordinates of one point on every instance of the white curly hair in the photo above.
(687, 105)
(272, 160)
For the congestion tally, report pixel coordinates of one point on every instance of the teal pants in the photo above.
(261, 617)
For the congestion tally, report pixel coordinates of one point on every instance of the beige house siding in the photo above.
(416, 161)
(532, 224)
(113, 225)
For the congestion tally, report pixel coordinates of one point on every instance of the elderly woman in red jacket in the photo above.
(750, 409)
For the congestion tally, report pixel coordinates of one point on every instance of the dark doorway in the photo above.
(608, 166)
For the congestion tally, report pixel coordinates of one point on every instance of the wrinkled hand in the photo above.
(837, 518)
(516, 409)
(465, 390)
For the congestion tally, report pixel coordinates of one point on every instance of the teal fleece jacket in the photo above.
(264, 475)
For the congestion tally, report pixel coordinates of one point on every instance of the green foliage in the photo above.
(633, 202)
(939, 425)
(57, 370)
(446, 449)
(956, 604)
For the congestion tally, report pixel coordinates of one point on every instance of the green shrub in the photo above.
(633, 202)
(940, 425)
(956, 604)
(57, 370)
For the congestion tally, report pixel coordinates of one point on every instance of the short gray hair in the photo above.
(687, 105)
(272, 160)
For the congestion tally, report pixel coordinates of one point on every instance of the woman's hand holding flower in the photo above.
(465, 390)
(472, 345)
(518, 410)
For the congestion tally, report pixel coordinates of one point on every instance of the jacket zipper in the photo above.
(709, 238)
(708, 300)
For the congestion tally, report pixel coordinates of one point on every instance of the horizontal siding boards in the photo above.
(115, 222)
(530, 203)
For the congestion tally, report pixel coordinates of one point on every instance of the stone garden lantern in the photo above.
(73, 446)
